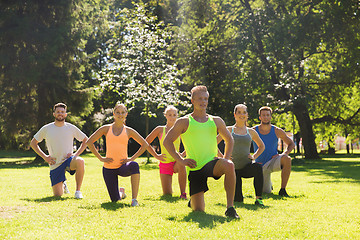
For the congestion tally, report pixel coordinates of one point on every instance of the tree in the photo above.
(277, 44)
(139, 68)
(42, 59)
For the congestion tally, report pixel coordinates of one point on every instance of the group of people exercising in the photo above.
(200, 134)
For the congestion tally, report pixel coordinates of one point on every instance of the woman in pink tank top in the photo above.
(167, 164)
(116, 162)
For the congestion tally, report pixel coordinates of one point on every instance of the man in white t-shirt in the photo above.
(59, 137)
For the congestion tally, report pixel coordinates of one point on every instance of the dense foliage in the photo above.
(299, 57)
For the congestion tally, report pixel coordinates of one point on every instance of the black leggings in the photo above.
(250, 170)
(111, 178)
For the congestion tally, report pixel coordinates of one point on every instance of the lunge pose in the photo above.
(116, 161)
(168, 166)
(245, 167)
(198, 132)
(59, 137)
(270, 159)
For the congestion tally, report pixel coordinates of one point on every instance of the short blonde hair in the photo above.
(199, 88)
(265, 108)
(170, 107)
(240, 105)
(118, 104)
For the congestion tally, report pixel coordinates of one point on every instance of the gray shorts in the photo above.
(274, 165)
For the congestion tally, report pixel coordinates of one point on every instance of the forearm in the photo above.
(172, 151)
(81, 149)
(92, 148)
(229, 144)
(152, 151)
(38, 150)
(289, 148)
(259, 151)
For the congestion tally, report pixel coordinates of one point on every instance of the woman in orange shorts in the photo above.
(168, 165)
(117, 163)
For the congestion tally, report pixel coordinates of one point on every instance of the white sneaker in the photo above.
(134, 203)
(122, 193)
(66, 190)
(78, 195)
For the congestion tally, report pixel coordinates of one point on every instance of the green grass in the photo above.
(324, 205)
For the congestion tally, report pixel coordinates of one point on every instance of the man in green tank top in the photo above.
(198, 132)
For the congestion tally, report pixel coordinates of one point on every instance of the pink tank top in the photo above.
(116, 147)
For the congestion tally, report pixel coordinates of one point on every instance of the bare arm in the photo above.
(225, 134)
(150, 138)
(93, 138)
(81, 148)
(219, 139)
(34, 145)
(282, 135)
(261, 146)
(139, 139)
(179, 127)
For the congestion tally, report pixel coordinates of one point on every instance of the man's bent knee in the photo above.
(77, 163)
(224, 166)
(286, 160)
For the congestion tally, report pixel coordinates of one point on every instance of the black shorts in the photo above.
(198, 179)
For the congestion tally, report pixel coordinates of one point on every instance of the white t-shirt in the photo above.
(59, 140)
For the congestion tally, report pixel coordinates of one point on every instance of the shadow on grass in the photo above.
(21, 164)
(113, 206)
(204, 219)
(250, 206)
(278, 197)
(341, 171)
(16, 154)
(46, 199)
(170, 198)
(166, 198)
(150, 166)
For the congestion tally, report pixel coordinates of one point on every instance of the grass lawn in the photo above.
(323, 205)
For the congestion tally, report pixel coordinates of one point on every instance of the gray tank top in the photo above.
(240, 154)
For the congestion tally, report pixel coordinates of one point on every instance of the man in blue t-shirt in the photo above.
(270, 159)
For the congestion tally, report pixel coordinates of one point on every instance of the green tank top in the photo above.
(200, 142)
(168, 158)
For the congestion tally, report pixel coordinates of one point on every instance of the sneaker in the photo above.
(231, 212)
(283, 193)
(66, 190)
(78, 195)
(259, 202)
(183, 196)
(134, 203)
(122, 193)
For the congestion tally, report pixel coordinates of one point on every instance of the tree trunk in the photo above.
(308, 138)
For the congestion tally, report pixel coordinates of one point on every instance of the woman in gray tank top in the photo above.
(245, 166)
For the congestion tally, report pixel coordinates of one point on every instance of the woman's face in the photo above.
(120, 113)
(171, 115)
(241, 114)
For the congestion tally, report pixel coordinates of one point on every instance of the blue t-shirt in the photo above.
(271, 143)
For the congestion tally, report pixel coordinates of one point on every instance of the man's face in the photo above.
(200, 100)
(60, 114)
(265, 117)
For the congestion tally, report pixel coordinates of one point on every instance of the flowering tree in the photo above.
(139, 69)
